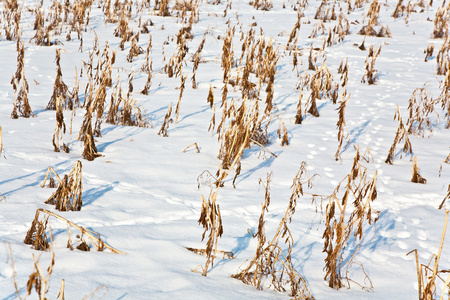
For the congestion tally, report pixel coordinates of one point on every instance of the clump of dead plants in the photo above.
(20, 86)
(60, 89)
(417, 178)
(341, 123)
(346, 215)
(371, 74)
(38, 280)
(211, 221)
(166, 122)
(372, 23)
(37, 236)
(60, 127)
(428, 275)
(402, 134)
(68, 195)
(270, 262)
(421, 106)
(124, 110)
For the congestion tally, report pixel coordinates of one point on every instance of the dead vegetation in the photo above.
(211, 220)
(428, 275)
(60, 128)
(346, 216)
(372, 24)
(270, 262)
(37, 236)
(401, 135)
(68, 195)
(20, 86)
(371, 75)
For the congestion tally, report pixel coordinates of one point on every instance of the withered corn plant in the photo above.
(11, 20)
(211, 221)
(346, 216)
(177, 108)
(60, 127)
(441, 21)
(371, 74)
(60, 89)
(421, 105)
(428, 275)
(166, 122)
(37, 236)
(20, 86)
(429, 52)
(265, 5)
(443, 57)
(245, 124)
(402, 134)
(271, 262)
(68, 195)
(341, 123)
(372, 16)
(416, 177)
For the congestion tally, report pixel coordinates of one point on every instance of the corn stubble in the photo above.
(37, 236)
(68, 195)
(270, 262)
(346, 216)
(20, 86)
(428, 275)
(211, 220)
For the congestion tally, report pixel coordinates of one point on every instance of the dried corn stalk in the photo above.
(417, 178)
(428, 274)
(401, 134)
(270, 261)
(37, 237)
(211, 220)
(20, 86)
(68, 195)
(341, 224)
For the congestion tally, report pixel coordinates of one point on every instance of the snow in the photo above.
(144, 194)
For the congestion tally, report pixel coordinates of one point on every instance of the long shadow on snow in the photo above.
(102, 146)
(372, 238)
(93, 194)
(32, 184)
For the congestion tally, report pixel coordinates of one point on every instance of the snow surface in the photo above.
(143, 197)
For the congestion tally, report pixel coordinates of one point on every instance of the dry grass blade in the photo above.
(445, 198)
(37, 238)
(51, 183)
(68, 195)
(195, 145)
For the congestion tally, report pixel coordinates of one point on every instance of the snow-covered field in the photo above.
(143, 195)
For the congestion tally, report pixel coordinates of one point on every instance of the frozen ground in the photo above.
(143, 194)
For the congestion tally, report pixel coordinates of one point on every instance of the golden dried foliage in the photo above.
(270, 261)
(60, 129)
(427, 275)
(20, 86)
(341, 123)
(421, 105)
(371, 74)
(68, 195)
(211, 221)
(346, 216)
(402, 134)
(416, 177)
(36, 235)
(60, 89)
(166, 122)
